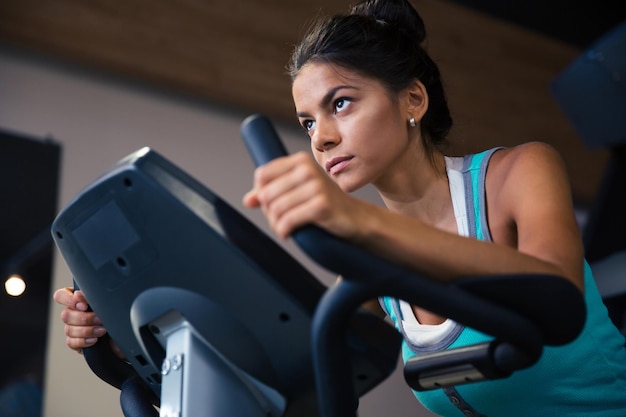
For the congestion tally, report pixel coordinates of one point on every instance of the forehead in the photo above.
(316, 70)
(315, 79)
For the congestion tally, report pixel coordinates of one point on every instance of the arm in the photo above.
(530, 215)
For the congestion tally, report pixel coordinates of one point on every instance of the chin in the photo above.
(349, 187)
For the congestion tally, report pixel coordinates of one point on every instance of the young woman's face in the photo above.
(357, 130)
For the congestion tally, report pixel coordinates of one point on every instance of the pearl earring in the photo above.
(412, 121)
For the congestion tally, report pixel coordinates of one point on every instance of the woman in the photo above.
(373, 104)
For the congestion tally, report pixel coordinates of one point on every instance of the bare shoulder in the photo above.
(528, 156)
(528, 178)
(532, 164)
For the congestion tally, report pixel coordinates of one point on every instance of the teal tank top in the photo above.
(585, 378)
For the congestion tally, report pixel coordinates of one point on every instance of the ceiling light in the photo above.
(15, 285)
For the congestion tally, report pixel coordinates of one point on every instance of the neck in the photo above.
(421, 191)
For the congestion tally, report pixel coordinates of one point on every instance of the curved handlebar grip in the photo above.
(264, 144)
(366, 274)
(354, 263)
(261, 139)
(104, 363)
(116, 372)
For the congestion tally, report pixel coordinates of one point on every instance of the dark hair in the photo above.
(381, 39)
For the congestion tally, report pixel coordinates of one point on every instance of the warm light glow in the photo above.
(15, 285)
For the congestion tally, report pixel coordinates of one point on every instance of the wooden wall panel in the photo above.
(234, 52)
(497, 77)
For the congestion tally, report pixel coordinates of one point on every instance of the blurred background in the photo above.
(84, 83)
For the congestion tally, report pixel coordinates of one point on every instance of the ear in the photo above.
(416, 100)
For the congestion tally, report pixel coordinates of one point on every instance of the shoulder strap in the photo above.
(474, 173)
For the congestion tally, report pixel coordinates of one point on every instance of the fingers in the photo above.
(275, 173)
(81, 336)
(79, 343)
(284, 189)
(251, 200)
(292, 210)
(294, 191)
(74, 317)
(84, 332)
(70, 298)
(64, 296)
(82, 327)
(263, 176)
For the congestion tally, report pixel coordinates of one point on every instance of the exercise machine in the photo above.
(215, 318)
(591, 92)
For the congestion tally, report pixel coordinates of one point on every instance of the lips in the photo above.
(335, 165)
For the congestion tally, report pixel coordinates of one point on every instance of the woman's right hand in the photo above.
(82, 327)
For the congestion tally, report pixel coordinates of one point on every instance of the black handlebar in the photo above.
(518, 328)
(135, 398)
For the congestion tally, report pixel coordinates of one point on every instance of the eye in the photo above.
(342, 103)
(308, 125)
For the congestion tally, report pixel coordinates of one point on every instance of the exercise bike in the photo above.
(215, 318)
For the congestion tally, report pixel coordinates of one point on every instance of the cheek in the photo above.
(316, 155)
(385, 144)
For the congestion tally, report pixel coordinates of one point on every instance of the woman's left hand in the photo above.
(293, 191)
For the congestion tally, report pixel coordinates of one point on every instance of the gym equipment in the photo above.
(215, 318)
(591, 92)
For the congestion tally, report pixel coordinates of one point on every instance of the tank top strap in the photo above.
(474, 173)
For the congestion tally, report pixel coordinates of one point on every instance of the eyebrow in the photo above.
(328, 97)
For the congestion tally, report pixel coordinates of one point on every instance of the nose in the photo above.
(325, 136)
